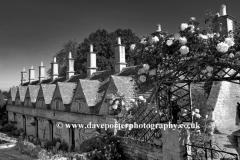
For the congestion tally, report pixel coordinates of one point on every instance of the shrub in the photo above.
(102, 147)
(8, 127)
(63, 146)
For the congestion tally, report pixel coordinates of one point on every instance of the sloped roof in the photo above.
(125, 85)
(33, 91)
(75, 78)
(25, 84)
(58, 79)
(67, 91)
(90, 90)
(45, 81)
(102, 75)
(103, 86)
(34, 82)
(13, 92)
(48, 90)
(22, 92)
(129, 71)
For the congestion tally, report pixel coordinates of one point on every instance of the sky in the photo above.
(32, 31)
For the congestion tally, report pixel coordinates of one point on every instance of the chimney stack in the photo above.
(120, 62)
(159, 28)
(223, 10)
(23, 76)
(31, 74)
(54, 67)
(224, 23)
(70, 66)
(41, 72)
(91, 62)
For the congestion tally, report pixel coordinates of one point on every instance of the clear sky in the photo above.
(34, 30)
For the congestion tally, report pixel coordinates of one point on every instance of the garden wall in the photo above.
(133, 149)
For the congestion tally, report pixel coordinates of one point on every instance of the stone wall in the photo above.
(133, 149)
(223, 99)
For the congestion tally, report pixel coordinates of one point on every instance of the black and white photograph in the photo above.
(119, 80)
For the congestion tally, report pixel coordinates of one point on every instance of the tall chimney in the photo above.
(158, 28)
(224, 23)
(41, 72)
(23, 76)
(120, 62)
(91, 62)
(223, 10)
(70, 66)
(54, 67)
(31, 74)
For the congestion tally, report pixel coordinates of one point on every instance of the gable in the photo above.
(48, 91)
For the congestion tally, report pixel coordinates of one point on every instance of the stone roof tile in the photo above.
(13, 92)
(90, 90)
(22, 92)
(33, 91)
(48, 90)
(67, 91)
(125, 85)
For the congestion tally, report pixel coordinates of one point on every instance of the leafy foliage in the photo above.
(103, 43)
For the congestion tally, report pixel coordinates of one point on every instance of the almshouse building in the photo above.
(40, 104)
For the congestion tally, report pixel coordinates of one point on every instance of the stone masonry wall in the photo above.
(223, 99)
(133, 150)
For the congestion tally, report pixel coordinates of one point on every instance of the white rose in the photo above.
(146, 67)
(115, 106)
(141, 98)
(132, 100)
(203, 36)
(192, 27)
(176, 36)
(197, 115)
(132, 47)
(184, 26)
(111, 102)
(222, 47)
(193, 113)
(196, 110)
(116, 102)
(141, 71)
(231, 55)
(210, 35)
(183, 40)
(155, 39)
(152, 72)
(143, 41)
(169, 42)
(229, 41)
(209, 69)
(184, 50)
(142, 78)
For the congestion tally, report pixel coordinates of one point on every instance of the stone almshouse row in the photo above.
(37, 105)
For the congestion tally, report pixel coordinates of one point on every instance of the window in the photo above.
(59, 130)
(29, 102)
(58, 104)
(80, 104)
